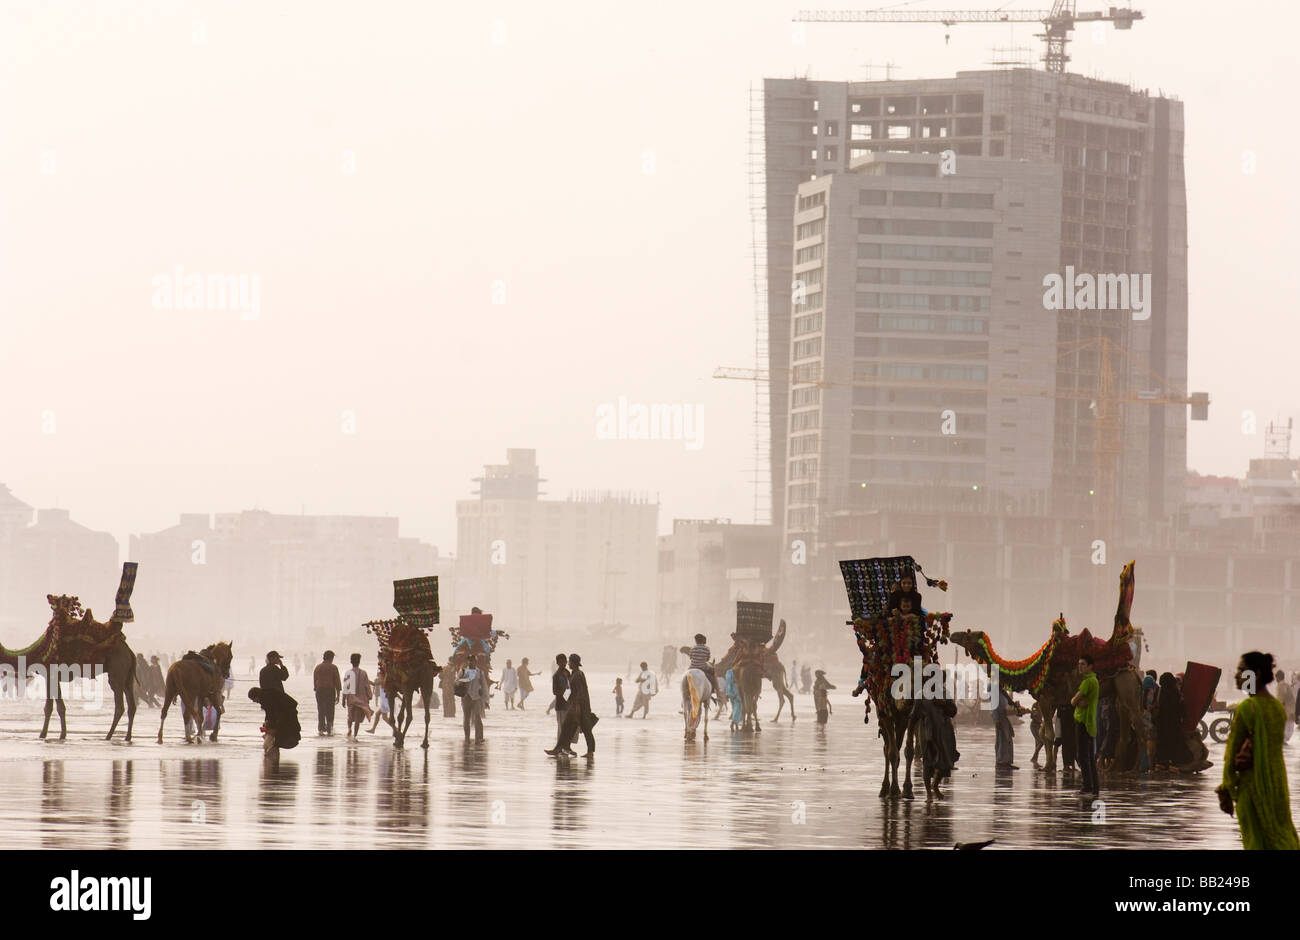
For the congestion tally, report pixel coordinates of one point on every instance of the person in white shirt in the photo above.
(509, 683)
(646, 688)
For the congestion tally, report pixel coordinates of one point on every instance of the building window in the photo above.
(970, 200)
(810, 229)
(807, 324)
(923, 200)
(805, 421)
(808, 348)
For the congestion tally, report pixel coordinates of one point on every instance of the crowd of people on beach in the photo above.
(1254, 786)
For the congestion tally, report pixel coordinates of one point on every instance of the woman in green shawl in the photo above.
(1254, 775)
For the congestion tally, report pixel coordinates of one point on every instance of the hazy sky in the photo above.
(380, 167)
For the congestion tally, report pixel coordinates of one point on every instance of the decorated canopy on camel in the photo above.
(750, 641)
(404, 641)
(889, 623)
(474, 635)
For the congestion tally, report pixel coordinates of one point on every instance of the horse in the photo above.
(695, 702)
(418, 679)
(196, 680)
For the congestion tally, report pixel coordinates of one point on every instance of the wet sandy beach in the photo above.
(797, 786)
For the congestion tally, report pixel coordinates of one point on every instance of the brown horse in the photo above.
(197, 681)
(419, 679)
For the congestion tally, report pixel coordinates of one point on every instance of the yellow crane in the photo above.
(1058, 22)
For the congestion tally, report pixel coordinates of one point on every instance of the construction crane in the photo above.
(1058, 22)
(1104, 400)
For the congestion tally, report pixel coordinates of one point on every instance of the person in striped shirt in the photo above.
(700, 656)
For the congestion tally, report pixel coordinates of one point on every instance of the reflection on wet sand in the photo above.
(792, 786)
(118, 811)
(276, 798)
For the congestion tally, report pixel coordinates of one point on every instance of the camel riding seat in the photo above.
(882, 638)
(403, 641)
(754, 621)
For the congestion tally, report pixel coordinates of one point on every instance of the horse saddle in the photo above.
(202, 660)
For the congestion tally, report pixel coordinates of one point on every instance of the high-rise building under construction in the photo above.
(917, 360)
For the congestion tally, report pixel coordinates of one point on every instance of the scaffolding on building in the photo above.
(762, 471)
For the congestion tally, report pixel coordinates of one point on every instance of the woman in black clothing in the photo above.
(1171, 742)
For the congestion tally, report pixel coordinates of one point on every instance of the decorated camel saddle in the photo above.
(475, 635)
(889, 622)
(750, 644)
(404, 640)
(77, 635)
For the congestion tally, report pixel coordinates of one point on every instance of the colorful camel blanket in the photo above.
(403, 647)
(886, 642)
(744, 652)
(1108, 657)
(78, 636)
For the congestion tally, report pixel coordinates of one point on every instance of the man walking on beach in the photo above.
(328, 686)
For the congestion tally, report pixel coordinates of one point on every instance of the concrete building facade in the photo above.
(270, 580)
(1121, 208)
(46, 552)
(705, 566)
(555, 565)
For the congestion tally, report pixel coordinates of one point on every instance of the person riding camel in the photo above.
(905, 588)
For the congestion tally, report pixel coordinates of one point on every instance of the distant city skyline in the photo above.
(449, 302)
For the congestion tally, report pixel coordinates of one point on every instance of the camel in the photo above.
(196, 678)
(405, 682)
(768, 666)
(409, 667)
(75, 642)
(749, 679)
(123, 675)
(1051, 674)
(895, 717)
(695, 702)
